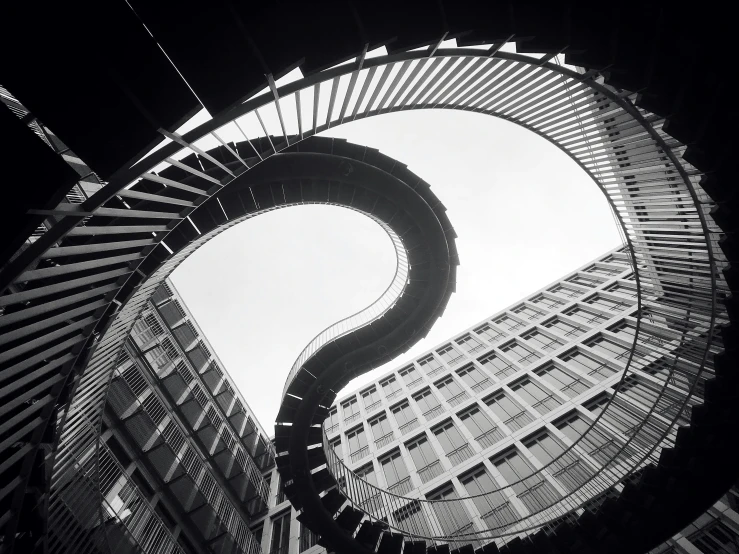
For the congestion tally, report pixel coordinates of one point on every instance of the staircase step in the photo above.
(333, 501)
(439, 549)
(466, 549)
(414, 547)
(490, 548)
(349, 519)
(390, 543)
(369, 533)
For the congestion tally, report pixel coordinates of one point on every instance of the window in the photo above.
(351, 410)
(537, 397)
(498, 366)
(280, 534)
(411, 377)
(449, 354)
(610, 349)
(616, 260)
(564, 290)
(715, 537)
(425, 459)
(590, 366)
(280, 493)
(509, 411)
(531, 488)
(508, 323)
(519, 353)
(489, 333)
(396, 474)
(371, 399)
(603, 303)
(451, 391)
(404, 417)
(332, 421)
(596, 441)
(626, 420)
(368, 497)
(551, 303)
(391, 388)
(470, 344)
(474, 378)
(428, 404)
(453, 516)
(584, 280)
(541, 341)
(307, 538)
(622, 289)
(381, 431)
(481, 427)
(495, 509)
(567, 468)
(357, 441)
(455, 446)
(336, 447)
(430, 365)
(565, 328)
(410, 519)
(563, 380)
(526, 312)
(586, 316)
(603, 270)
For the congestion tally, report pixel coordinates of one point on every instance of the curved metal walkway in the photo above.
(77, 288)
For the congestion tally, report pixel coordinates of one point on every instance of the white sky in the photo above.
(525, 214)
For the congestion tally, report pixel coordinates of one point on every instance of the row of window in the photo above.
(518, 349)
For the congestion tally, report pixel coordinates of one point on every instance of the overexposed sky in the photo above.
(524, 212)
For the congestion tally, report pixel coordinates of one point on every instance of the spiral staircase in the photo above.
(66, 308)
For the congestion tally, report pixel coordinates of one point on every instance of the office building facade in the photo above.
(494, 405)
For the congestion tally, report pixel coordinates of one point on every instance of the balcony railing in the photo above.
(351, 418)
(416, 383)
(490, 437)
(482, 385)
(433, 412)
(459, 455)
(455, 360)
(476, 348)
(458, 398)
(394, 394)
(332, 429)
(384, 440)
(518, 421)
(359, 454)
(434, 469)
(404, 486)
(435, 371)
(372, 407)
(409, 426)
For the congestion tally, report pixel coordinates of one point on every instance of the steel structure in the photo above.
(73, 293)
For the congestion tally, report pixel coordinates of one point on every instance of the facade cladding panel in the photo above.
(497, 402)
